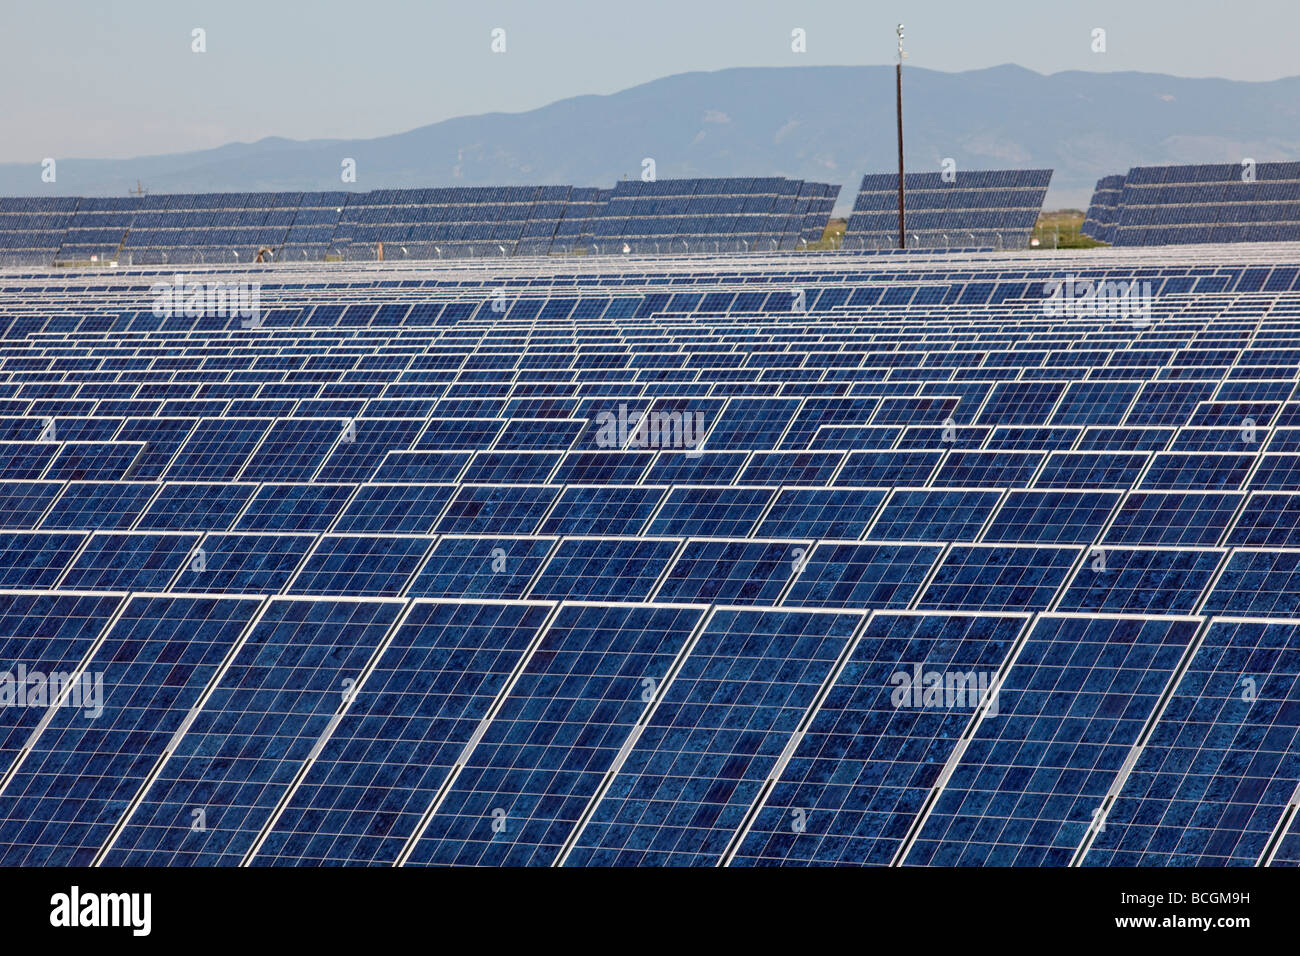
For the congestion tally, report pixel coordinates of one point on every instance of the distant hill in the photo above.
(822, 123)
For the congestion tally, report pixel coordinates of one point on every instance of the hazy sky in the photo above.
(118, 79)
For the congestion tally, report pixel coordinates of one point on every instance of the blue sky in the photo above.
(118, 79)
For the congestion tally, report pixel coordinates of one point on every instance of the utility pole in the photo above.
(898, 71)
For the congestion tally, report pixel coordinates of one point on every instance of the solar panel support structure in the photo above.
(898, 76)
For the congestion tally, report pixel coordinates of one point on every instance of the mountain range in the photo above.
(825, 123)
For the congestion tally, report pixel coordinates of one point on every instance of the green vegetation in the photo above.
(1063, 223)
(832, 237)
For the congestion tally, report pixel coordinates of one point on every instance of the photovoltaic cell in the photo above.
(874, 750)
(713, 738)
(1140, 581)
(913, 514)
(1052, 517)
(862, 575)
(821, 512)
(82, 773)
(114, 561)
(1041, 762)
(556, 735)
(360, 565)
(732, 572)
(603, 569)
(254, 733)
(998, 578)
(362, 798)
(45, 634)
(1209, 787)
(492, 567)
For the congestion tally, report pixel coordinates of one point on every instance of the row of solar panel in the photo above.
(1169, 205)
(900, 563)
(30, 227)
(994, 208)
(522, 733)
(834, 271)
(950, 198)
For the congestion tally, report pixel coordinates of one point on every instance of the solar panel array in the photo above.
(445, 223)
(993, 208)
(1103, 208)
(712, 215)
(30, 227)
(451, 222)
(764, 560)
(1215, 203)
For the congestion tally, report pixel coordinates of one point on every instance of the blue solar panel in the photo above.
(937, 515)
(1140, 581)
(820, 512)
(1042, 759)
(887, 468)
(527, 782)
(608, 569)
(467, 567)
(254, 733)
(244, 563)
(1267, 520)
(732, 572)
(1052, 517)
(719, 512)
(875, 748)
(196, 506)
(92, 506)
(1170, 518)
(360, 565)
(862, 575)
(894, 437)
(1257, 584)
(714, 736)
(294, 507)
(113, 561)
(1209, 787)
(373, 780)
(401, 509)
(42, 634)
(62, 805)
(997, 578)
(217, 449)
(611, 511)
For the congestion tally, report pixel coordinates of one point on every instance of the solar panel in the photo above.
(731, 572)
(66, 798)
(997, 578)
(261, 723)
(671, 802)
(934, 515)
(480, 568)
(862, 575)
(580, 696)
(642, 555)
(1221, 765)
(603, 569)
(875, 748)
(365, 793)
(1033, 777)
(360, 565)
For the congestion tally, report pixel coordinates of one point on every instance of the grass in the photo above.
(832, 237)
(1066, 223)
